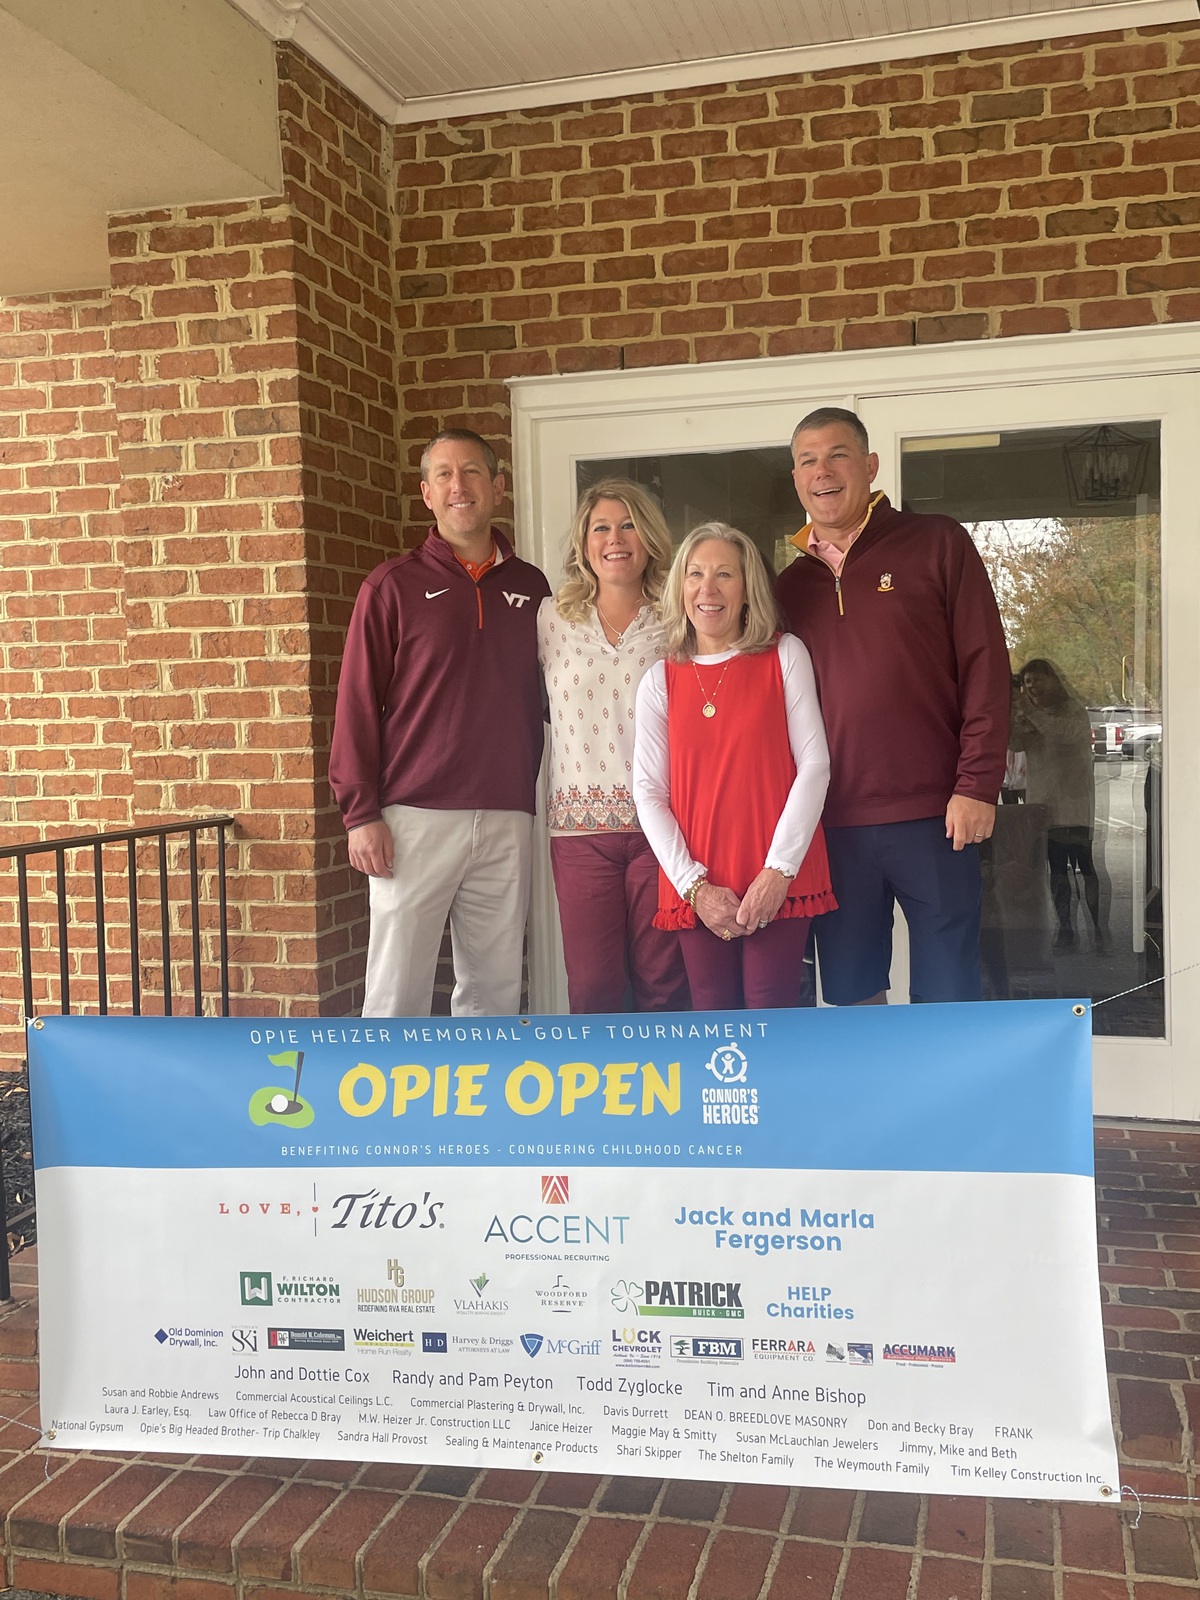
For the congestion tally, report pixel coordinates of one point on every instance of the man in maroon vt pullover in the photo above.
(436, 743)
(912, 670)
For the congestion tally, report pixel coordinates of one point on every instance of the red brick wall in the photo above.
(180, 558)
(1034, 188)
(188, 505)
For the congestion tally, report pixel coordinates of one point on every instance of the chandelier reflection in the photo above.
(1106, 464)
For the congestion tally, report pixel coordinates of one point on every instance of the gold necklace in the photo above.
(709, 708)
(620, 638)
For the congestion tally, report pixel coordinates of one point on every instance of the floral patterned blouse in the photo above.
(592, 686)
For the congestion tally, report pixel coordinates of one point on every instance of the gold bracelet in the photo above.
(694, 888)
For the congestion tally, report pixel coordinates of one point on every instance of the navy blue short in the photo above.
(939, 892)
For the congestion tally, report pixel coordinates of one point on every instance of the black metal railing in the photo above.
(97, 843)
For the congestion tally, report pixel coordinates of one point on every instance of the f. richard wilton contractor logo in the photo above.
(282, 1105)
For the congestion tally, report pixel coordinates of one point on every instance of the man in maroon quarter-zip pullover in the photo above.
(436, 744)
(898, 614)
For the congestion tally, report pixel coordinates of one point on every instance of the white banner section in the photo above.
(650, 1287)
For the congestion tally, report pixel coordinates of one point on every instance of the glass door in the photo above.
(1078, 499)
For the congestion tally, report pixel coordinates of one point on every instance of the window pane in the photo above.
(1067, 521)
(752, 489)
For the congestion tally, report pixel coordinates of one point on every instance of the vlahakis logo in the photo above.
(531, 1343)
(257, 1289)
(273, 1104)
(556, 1191)
(480, 1283)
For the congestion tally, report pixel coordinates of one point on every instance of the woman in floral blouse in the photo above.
(596, 638)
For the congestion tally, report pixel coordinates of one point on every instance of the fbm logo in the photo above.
(256, 1289)
(694, 1349)
(556, 1191)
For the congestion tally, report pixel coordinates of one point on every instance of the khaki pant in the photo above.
(473, 865)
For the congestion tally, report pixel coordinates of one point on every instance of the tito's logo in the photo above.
(285, 1106)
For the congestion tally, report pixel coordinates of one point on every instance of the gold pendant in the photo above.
(710, 710)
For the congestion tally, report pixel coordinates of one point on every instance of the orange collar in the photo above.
(801, 539)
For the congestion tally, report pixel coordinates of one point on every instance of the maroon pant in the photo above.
(758, 973)
(607, 886)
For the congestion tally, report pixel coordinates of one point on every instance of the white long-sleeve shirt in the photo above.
(806, 798)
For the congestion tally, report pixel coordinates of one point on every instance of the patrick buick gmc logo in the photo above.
(677, 1297)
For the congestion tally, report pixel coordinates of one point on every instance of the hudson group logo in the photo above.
(556, 1191)
(282, 1105)
(306, 1339)
(676, 1297)
(685, 1348)
(256, 1289)
(920, 1355)
(396, 1294)
(479, 1304)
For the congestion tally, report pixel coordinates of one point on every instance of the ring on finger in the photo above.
(765, 923)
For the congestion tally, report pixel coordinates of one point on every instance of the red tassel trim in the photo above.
(675, 918)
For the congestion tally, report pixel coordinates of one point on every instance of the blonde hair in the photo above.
(576, 597)
(761, 617)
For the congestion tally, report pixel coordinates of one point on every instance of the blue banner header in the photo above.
(820, 1089)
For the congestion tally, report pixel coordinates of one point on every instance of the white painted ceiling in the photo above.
(411, 58)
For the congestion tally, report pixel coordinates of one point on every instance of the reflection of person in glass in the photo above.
(730, 772)
(1053, 729)
(596, 639)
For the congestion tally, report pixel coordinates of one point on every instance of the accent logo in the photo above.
(556, 1191)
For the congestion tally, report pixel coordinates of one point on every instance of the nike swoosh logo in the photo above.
(432, 594)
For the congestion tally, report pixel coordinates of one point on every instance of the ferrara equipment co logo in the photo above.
(282, 1105)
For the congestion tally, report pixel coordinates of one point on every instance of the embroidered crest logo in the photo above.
(885, 583)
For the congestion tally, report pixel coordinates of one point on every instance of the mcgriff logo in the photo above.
(531, 1343)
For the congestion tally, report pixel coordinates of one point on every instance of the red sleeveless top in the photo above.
(730, 778)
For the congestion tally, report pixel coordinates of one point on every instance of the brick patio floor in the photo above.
(140, 1527)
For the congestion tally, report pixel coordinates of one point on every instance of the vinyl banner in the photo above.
(852, 1248)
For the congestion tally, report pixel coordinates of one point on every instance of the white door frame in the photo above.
(719, 406)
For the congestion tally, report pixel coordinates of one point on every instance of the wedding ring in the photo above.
(725, 934)
(765, 923)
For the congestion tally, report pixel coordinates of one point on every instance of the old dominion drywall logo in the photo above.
(285, 1106)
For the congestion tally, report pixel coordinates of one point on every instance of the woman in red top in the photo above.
(730, 773)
